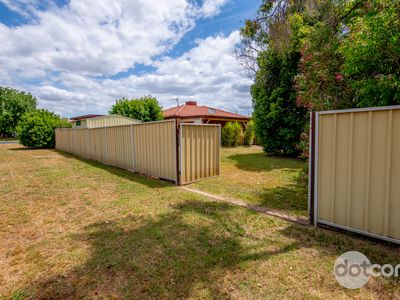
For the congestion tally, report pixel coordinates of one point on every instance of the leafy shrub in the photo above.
(146, 109)
(237, 134)
(36, 129)
(248, 137)
(227, 135)
(232, 134)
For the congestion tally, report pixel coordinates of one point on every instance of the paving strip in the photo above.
(260, 209)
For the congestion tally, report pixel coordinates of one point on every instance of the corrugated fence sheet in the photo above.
(358, 165)
(148, 148)
(200, 151)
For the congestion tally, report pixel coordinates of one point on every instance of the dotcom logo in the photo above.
(352, 270)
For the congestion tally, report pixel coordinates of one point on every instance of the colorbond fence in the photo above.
(356, 168)
(200, 151)
(150, 148)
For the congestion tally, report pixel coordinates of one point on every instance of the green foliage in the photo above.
(146, 109)
(13, 105)
(232, 134)
(318, 55)
(37, 129)
(248, 136)
(371, 52)
(351, 58)
(278, 121)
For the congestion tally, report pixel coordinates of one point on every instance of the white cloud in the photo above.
(212, 7)
(70, 52)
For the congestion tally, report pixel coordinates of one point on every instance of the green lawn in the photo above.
(249, 174)
(75, 229)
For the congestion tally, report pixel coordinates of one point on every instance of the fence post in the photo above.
(132, 149)
(311, 170)
(178, 158)
(105, 144)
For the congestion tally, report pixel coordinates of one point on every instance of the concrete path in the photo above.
(8, 142)
(260, 209)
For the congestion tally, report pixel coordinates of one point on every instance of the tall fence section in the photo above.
(151, 148)
(355, 171)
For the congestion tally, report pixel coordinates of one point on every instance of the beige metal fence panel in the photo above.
(358, 167)
(155, 149)
(61, 140)
(149, 148)
(199, 151)
(98, 145)
(119, 147)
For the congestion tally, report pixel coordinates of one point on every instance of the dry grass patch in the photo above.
(247, 173)
(71, 228)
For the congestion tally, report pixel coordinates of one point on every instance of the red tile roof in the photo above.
(191, 110)
(85, 117)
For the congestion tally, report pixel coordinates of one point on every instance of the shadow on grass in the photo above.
(290, 198)
(173, 256)
(261, 162)
(122, 173)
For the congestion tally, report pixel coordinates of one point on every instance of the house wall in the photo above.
(82, 125)
(110, 121)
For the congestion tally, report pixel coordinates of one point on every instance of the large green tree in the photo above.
(274, 57)
(13, 105)
(326, 54)
(278, 120)
(146, 108)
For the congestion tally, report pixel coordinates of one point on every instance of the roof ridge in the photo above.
(179, 110)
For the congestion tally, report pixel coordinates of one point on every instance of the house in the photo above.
(190, 112)
(96, 121)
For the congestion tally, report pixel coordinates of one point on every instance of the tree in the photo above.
(13, 105)
(351, 56)
(272, 40)
(37, 129)
(146, 109)
(278, 121)
(371, 52)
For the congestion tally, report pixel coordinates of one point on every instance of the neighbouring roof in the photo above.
(85, 117)
(191, 110)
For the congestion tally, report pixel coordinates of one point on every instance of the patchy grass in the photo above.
(250, 175)
(71, 228)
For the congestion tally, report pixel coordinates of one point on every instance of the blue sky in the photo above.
(77, 57)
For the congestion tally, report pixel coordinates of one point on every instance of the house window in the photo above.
(78, 123)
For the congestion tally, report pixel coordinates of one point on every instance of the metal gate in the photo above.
(355, 171)
(199, 151)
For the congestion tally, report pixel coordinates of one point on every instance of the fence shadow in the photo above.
(122, 173)
(167, 257)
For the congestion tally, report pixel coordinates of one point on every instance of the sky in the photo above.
(78, 56)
